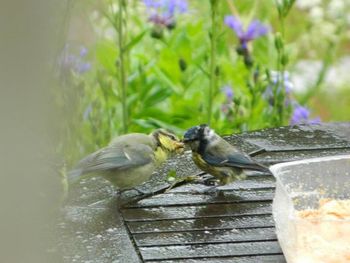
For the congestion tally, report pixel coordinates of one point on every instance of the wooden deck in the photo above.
(234, 225)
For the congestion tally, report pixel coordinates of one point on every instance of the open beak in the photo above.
(179, 147)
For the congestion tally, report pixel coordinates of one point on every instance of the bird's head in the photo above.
(198, 135)
(168, 141)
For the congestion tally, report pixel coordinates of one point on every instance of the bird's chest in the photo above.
(198, 160)
(160, 156)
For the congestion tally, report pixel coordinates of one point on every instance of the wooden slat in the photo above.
(253, 181)
(213, 250)
(205, 236)
(230, 196)
(187, 212)
(239, 259)
(295, 138)
(252, 221)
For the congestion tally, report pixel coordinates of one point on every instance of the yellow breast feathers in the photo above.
(160, 155)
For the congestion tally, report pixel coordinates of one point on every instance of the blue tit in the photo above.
(129, 160)
(217, 157)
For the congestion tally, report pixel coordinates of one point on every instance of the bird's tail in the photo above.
(259, 167)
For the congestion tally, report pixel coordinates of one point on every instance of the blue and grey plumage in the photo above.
(128, 160)
(215, 156)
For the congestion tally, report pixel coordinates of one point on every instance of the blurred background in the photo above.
(132, 66)
(76, 73)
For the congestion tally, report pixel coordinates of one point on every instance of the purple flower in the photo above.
(82, 67)
(173, 5)
(83, 51)
(255, 29)
(301, 115)
(227, 90)
(151, 3)
(70, 62)
(162, 12)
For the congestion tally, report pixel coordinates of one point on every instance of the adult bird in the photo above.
(129, 160)
(217, 157)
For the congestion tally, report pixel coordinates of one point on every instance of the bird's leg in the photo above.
(201, 178)
(198, 178)
(207, 180)
(190, 179)
(214, 183)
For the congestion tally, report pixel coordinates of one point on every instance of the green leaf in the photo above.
(156, 96)
(134, 41)
(166, 80)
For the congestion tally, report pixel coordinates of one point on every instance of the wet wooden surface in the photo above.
(182, 225)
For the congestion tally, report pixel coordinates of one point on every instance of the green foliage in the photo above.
(144, 76)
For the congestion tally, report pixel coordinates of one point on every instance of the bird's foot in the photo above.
(207, 180)
(211, 182)
(187, 179)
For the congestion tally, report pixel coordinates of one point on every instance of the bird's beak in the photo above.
(190, 135)
(186, 140)
(179, 147)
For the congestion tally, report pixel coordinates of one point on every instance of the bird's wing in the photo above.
(117, 157)
(231, 159)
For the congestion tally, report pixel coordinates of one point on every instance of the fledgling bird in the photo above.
(129, 160)
(217, 157)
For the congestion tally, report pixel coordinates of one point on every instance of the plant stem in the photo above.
(282, 70)
(283, 8)
(279, 93)
(213, 41)
(121, 65)
(232, 8)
